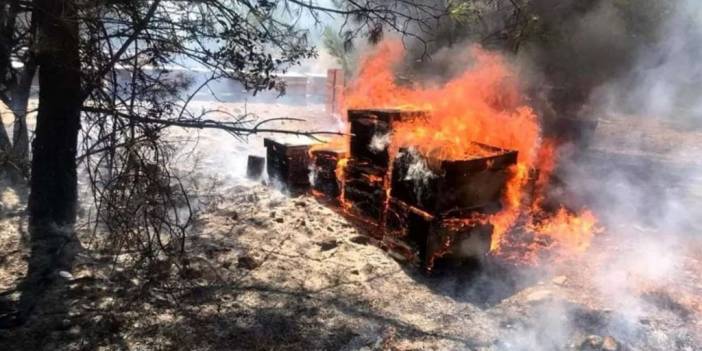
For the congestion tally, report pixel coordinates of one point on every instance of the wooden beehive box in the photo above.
(458, 240)
(288, 163)
(325, 172)
(473, 183)
(365, 188)
(368, 124)
(434, 240)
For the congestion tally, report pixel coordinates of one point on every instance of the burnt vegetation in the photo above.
(109, 86)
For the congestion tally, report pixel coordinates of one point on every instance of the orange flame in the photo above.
(340, 172)
(483, 104)
(573, 233)
(511, 202)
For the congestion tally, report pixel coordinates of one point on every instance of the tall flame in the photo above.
(483, 104)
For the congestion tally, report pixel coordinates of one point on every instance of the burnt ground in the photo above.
(271, 272)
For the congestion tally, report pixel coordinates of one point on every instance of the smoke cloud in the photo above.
(634, 66)
(638, 175)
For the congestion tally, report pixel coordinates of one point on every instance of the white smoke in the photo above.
(643, 179)
(379, 142)
(418, 171)
(646, 176)
(665, 81)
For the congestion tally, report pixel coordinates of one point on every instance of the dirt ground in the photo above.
(273, 272)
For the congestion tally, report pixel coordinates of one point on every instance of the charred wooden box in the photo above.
(325, 172)
(288, 163)
(441, 186)
(457, 240)
(409, 224)
(365, 188)
(254, 167)
(370, 130)
(434, 240)
(366, 174)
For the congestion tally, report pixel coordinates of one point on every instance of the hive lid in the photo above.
(291, 140)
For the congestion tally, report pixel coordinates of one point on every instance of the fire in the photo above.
(572, 233)
(483, 104)
(339, 171)
(511, 202)
(546, 164)
(336, 143)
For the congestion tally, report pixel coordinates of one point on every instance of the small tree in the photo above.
(338, 48)
(108, 63)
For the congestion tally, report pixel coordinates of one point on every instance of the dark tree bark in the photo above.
(53, 197)
(5, 144)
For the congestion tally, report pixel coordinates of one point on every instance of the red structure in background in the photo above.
(335, 91)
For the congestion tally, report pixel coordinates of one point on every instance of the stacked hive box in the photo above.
(288, 164)
(445, 207)
(472, 183)
(325, 163)
(441, 211)
(367, 171)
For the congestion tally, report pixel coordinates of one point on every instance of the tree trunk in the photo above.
(20, 104)
(53, 185)
(5, 144)
(20, 134)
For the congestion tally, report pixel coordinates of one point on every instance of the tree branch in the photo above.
(234, 128)
(140, 26)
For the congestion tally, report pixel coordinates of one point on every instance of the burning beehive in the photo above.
(418, 199)
(371, 129)
(441, 186)
(432, 239)
(367, 172)
(365, 189)
(457, 239)
(444, 203)
(461, 180)
(325, 176)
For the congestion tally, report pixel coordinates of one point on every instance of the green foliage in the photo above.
(338, 47)
(464, 12)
